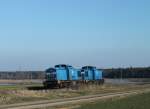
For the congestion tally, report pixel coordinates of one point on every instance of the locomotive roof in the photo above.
(88, 67)
(62, 65)
(51, 70)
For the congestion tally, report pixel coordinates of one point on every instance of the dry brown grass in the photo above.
(22, 95)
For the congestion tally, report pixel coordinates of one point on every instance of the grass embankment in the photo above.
(15, 94)
(141, 101)
(20, 93)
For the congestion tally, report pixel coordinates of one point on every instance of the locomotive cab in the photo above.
(50, 77)
(50, 74)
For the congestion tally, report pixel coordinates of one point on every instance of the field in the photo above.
(141, 101)
(133, 101)
(34, 92)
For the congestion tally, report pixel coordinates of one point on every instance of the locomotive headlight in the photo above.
(82, 72)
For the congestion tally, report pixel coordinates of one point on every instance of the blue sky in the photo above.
(36, 34)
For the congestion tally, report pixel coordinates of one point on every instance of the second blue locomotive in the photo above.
(65, 75)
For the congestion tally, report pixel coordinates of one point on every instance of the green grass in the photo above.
(20, 86)
(9, 87)
(141, 101)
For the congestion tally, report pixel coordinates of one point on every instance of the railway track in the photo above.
(57, 102)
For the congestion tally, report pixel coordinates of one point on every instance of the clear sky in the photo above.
(36, 34)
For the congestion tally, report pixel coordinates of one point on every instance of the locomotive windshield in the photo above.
(62, 65)
(88, 67)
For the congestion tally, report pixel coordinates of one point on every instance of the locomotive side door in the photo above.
(82, 75)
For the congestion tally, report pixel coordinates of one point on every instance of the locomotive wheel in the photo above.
(60, 85)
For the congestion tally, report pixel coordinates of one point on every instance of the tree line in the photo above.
(20, 75)
(141, 72)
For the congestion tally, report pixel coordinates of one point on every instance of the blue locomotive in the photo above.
(90, 74)
(65, 75)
